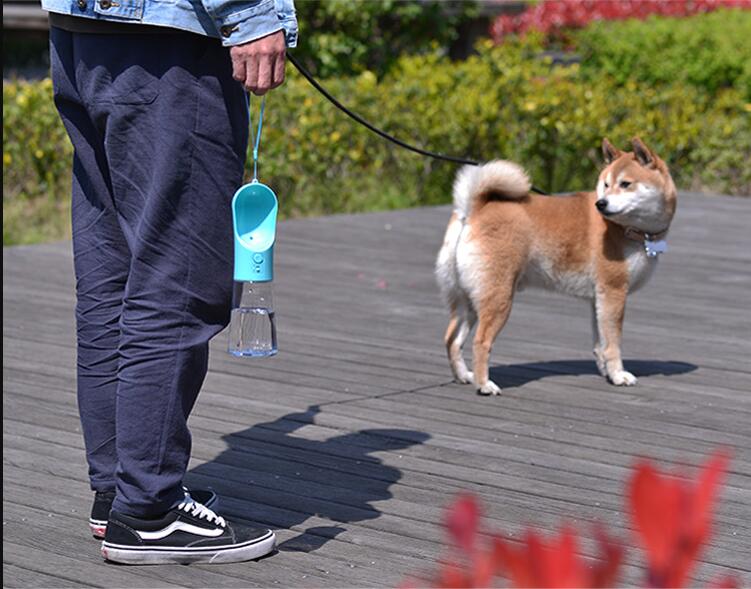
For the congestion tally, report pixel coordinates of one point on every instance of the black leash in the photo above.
(439, 156)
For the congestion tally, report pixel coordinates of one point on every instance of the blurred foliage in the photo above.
(502, 102)
(36, 165)
(709, 51)
(345, 37)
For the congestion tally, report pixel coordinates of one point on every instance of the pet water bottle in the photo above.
(252, 331)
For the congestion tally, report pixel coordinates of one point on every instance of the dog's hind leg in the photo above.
(493, 312)
(462, 321)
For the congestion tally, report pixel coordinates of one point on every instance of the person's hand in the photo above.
(259, 65)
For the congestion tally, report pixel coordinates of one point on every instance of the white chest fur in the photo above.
(640, 266)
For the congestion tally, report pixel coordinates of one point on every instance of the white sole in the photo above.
(171, 555)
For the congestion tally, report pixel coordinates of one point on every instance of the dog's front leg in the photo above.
(610, 306)
(596, 344)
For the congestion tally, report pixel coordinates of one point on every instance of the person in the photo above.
(153, 97)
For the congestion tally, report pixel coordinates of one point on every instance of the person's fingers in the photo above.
(238, 66)
(251, 73)
(265, 73)
(279, 65)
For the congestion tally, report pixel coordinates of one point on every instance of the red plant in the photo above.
(550, 17)
(557, 563)
(671, 516)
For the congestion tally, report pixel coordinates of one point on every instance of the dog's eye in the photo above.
(625, 184)
(607, 185)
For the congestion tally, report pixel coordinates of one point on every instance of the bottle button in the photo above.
(258, 268)
(257, 258)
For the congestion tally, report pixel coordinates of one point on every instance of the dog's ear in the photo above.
(642, 153)
(610, 153)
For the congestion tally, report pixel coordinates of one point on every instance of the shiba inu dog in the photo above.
(595, 245)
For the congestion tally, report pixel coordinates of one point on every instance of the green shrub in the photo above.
(708, 51)
(499, 103)
(36, 165)
(342, 37)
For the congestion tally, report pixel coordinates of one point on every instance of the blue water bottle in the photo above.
(252, 329)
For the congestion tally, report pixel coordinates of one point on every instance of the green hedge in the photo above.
(503, 102)
(709, 51)
(344, 38)
(36, 165)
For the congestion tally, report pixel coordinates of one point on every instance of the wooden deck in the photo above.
(353, 439)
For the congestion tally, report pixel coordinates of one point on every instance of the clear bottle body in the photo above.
(252, 330)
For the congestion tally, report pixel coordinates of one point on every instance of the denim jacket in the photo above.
(233, 21)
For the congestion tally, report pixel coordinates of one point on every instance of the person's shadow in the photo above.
(269, 475)
(516, 375)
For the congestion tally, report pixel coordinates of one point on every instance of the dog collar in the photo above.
(654, 243)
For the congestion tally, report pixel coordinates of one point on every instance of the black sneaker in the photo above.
(100, 511)
(188, 533)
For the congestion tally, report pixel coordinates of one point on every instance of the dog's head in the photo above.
(635, 189)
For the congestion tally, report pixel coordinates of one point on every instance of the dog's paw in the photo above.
(489, 388)
(464, 377)
(623, 379)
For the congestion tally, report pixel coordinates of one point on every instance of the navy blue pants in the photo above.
(160, 131)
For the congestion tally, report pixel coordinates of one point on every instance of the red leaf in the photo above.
(673, 518)
(513, 564)
(452, 576)
(564, 567)
(538, 563)
(605, 571)
(462, 522)
(655, 510)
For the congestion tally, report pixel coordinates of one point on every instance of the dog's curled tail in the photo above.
(494, 180)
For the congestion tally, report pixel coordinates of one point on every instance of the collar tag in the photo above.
(655, 248)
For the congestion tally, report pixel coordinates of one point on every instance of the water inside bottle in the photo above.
(252, 332)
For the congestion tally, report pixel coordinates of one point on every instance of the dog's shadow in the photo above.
(517, 375)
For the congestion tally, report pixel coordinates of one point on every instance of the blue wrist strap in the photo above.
(257, 142)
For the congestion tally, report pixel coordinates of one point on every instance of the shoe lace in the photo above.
(196, 509)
